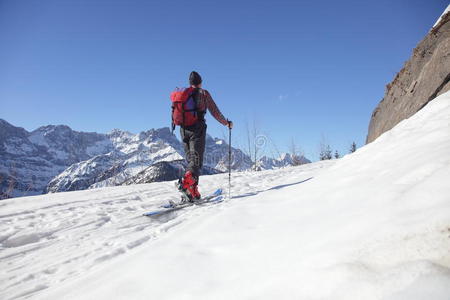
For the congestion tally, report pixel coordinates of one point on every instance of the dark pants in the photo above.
(193, 138)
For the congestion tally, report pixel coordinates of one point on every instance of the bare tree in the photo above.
(12, 181)
(249, 142)
(275, 151)
(29, 187)
(2, 194)
(255, 132)
(297, 153)
(255, 143)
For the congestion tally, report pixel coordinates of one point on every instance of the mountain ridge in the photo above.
(56, 158)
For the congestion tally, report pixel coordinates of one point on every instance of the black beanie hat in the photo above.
(195, 78)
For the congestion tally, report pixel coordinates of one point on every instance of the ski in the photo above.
(215, 197)
(172, 204)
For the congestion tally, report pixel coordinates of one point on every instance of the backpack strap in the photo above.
(200, 114)
(173, 123)
(193, 91)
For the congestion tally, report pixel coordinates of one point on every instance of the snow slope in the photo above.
(53, 238)
(372, 225)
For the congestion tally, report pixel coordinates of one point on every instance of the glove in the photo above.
(230, 124)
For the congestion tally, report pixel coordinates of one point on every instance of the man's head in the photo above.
(195, 79)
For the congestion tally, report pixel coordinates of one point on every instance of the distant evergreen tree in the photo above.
(322, 156)
(328, 153)
(325, 152)
(353, 147)
(336, 154)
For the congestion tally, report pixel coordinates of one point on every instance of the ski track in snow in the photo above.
(82, 230)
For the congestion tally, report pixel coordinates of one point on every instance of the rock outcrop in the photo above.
(424, 76)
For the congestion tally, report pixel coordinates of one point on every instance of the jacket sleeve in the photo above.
(213, 109)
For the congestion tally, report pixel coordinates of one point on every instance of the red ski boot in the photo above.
(189, 186)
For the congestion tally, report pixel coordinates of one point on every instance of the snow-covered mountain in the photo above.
(372, 225)
(134, 157)
(285, 160)
(130, 154)
(57, 158)
(29, 160)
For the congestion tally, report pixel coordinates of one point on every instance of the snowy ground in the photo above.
(52, 238)
(373, 225)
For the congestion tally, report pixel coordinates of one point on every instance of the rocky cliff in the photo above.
(424, 76)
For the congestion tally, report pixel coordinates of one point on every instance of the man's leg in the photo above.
(194, 145)
(188, 182)
(197, 145)
(186, 137)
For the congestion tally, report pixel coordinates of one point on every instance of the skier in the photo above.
(188, 110)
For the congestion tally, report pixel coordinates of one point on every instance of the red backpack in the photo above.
(184, 107)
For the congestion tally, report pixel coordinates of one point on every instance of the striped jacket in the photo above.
(206, 102)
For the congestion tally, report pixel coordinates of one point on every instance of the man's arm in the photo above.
(213, 109)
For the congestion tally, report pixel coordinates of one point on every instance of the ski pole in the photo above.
(229, 162)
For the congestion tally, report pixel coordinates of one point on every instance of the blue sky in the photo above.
(299, 69)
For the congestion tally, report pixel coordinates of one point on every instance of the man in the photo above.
(193, 136)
